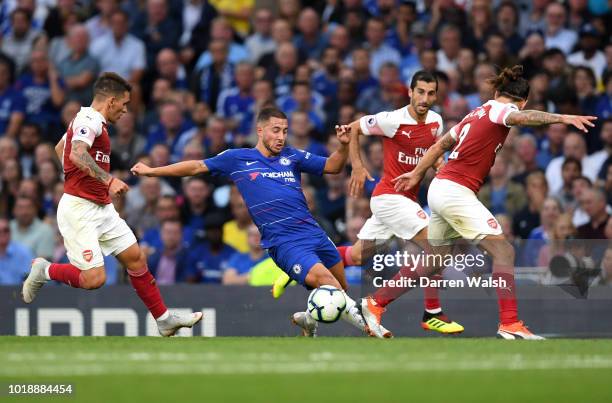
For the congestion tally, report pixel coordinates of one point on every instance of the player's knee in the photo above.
(93, 279)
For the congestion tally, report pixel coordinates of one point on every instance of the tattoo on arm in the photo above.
(447, 142)
(533, 118)
(87, 164)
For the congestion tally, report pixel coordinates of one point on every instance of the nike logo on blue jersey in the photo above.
(251, 163)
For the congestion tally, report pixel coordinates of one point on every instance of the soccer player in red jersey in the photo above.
(86, 217)
(406, 133)
(455, 210)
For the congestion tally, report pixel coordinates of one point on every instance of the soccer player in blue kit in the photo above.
(268, 177)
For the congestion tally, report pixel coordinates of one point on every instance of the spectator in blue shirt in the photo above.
(12, 103)
(360, 59)
(303, 99)
(311, 40)
(172, 126)
(15, 259)
(325, 80)
(44, 93)
(212, 79)
(236, 105)
(301, 130)
(209, 255)
(240, 264)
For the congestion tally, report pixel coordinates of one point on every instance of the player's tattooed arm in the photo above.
(79, 155)
(538, 118)
(446, 142)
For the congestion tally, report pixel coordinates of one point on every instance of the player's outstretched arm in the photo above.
(79, 155)
(430, 159)
(538, 118)
(359, 173)
(337, 160)
(183, 168)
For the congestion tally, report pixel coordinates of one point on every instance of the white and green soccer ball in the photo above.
(326, 304)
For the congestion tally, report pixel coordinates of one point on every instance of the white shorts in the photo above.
(91, 230)
(393, 215)
(456, 212)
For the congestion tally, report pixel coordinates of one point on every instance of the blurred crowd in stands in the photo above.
(202, 69)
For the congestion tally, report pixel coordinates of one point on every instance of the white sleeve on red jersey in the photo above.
(381, 124)
(499, 112)
(86, 126)
(435, 117)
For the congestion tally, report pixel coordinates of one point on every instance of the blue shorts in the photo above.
(297, 258)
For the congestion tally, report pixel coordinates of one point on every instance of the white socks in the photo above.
(351, 313)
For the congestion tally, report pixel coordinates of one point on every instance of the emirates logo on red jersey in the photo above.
(88, 255)
(421, 214)
(492, 223)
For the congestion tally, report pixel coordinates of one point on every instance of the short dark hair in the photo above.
(111, 84)
(572, 160)
(583, 178)
(268, 113)
(510, 83)
(423, 75)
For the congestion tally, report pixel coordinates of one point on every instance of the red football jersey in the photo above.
(88, 126)
(480, 135)
(405, 141)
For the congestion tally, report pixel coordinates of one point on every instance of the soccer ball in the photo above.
(326, 304)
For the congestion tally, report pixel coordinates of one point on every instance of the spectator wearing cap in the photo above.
(30, 231)
(12, 102)
(19, 42)
(209, 255)
(240, 264)
(589, 53)
(593, 202)
(380, 52)
(169, 264)
(15, 259)
(79, 69)
(555, 34)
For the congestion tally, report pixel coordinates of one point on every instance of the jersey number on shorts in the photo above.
(464, 132)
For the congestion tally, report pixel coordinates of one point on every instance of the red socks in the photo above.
(65, 273)
(506, 295)
(144, 284)
(432, 299)
(345, 254)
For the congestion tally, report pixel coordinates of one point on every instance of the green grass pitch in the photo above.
(139, 369)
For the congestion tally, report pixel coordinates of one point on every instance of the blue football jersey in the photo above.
(272, 190)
